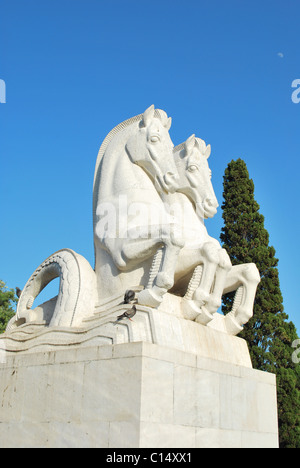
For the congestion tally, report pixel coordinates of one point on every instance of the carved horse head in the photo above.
(195, 175)
(152, 149)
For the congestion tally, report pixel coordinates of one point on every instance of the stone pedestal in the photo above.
(136, 394)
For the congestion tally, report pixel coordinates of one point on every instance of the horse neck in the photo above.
(185, 213)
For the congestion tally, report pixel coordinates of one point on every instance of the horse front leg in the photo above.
(163, 272)
(243, 279)
(198, 295)
(224, 266)
(129, 252)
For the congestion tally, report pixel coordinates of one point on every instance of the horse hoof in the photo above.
(191, 311)
(205, 317)
(232, 326)
(149, 298)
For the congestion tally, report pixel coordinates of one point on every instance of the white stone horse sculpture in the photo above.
(135, 166)
(149, 205)
(203, 271)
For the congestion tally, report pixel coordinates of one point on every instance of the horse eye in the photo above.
(192, 168)
(154, 139)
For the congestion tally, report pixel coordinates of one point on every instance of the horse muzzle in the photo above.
(171, 181)
(210, 207)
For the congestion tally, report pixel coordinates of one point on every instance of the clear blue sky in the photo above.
(76, 68)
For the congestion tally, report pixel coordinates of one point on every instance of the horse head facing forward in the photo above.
(195, 175)
(152, 149)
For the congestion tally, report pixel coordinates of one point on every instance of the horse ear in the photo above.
(169, 123)
(189, 144)
(201, 145)
(207, 151)
(148, 115)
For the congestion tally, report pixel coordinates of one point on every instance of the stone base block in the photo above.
(164, 326)
(134, 395)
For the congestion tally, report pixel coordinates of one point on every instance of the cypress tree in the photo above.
(268, 333)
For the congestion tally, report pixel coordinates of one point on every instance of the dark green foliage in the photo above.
(7, 301)
(268, 333)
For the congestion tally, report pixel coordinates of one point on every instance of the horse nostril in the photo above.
(171, 178)
(213, 203)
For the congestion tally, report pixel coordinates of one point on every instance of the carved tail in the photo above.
(77, 292)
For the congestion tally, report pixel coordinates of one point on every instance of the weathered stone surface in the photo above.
(164, 326)
(134, 395)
